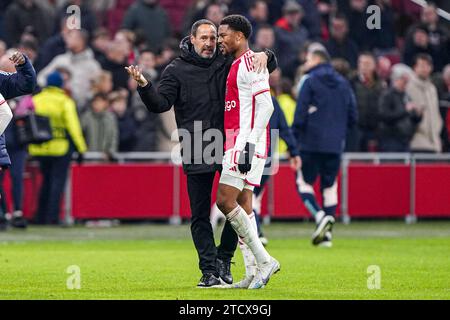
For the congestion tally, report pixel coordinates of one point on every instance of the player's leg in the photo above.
(199, 191)
(257, 198)
(245, 201)
(328, 182)
(227, 196)
(306, 177)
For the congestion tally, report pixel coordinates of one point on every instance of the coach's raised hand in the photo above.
(17, 58)
(136, 73)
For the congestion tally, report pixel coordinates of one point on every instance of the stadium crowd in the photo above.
(117, 33)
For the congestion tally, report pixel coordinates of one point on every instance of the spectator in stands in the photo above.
(55, 155)
(115, 15)
(30, 48)
(100, 127)
(26, 15)
(442, 83)
(290, 34)
(215, 13)
(147, 61)
(52, 47)
(382, 40)
(257, 15)
(115, 62)
(265, 38)
(357, 23)
(126, 39)
(311, 20)
(438, 37)
(103, 83)
(424, 95)
(340, 44)
(99, 43)
(151, 18)
(368, 89)
(79, 60)
(419, 42)
(148, 125)
(398, 115)
(125, 120)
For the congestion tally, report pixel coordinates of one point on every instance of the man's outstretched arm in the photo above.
(157, 101)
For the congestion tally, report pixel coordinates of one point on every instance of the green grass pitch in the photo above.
(160, 262)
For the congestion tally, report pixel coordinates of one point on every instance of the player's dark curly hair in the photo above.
(240, 23)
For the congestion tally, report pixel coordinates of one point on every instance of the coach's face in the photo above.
(228, 39)
(205, 41)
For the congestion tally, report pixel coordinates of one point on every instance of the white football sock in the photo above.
(319, 215)
(244, 228)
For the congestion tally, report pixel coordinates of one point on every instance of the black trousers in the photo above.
(199, 190)
(54, 171)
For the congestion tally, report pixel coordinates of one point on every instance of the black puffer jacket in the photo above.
(395, 121)
(195, 86)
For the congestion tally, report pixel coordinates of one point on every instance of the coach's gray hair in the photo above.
(198, 23)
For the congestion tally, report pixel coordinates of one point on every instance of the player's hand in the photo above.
(17, 58)
(245, 158)
(136, 73)
(260, 62)
(295, 163)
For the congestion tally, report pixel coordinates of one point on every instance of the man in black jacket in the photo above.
(194, 84)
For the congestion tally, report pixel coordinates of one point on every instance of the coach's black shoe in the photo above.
(19, 222)
(209, 280)
(3, 224)
(223, 268)
(325, 225)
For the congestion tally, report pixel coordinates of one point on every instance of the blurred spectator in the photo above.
(52, 47)
(215, 13)
(265, 38)
(4, 4)
(357, 20)
(79, 60)
(148, 125)
(383, 40)
(438, 37)
(147, 61)
(340, 44)
(311, 19)
(99, 43)
(104, 83)
(342, 67)
(87, 15)
(115, 15)
(26, 15)
(398, 115)
(125, 120)
(419, 42)
(442, 83)
(126, 40)
(29, 48)
(148, 16)
(368, 89)
(424, 95)
(290, 34)
(384, 69)
(55, 155)
(100, 127)
(115, 62)
(257, 15)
